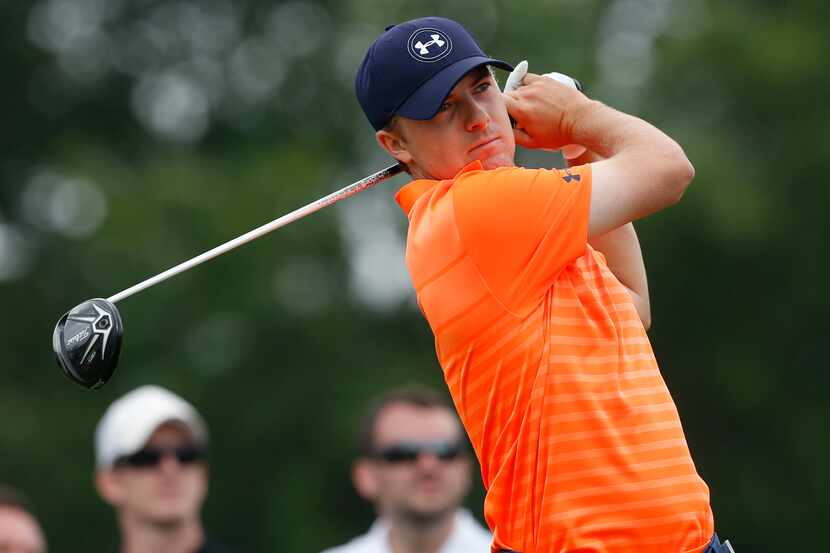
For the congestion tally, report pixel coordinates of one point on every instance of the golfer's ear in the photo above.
(365, 479)
(394, 145)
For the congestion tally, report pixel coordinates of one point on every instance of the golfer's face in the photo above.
(472, 124)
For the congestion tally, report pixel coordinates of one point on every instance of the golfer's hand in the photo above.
(540, 108)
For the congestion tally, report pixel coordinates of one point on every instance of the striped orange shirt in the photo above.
(550, 369)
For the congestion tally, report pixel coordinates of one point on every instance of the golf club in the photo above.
(87, 339)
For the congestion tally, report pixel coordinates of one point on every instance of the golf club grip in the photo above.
(334, 197)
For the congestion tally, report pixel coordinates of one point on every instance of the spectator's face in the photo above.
(472, 124)
(169, 492)
(424, 488)
(19, 532)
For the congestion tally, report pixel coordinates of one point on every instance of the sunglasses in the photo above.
(152, 456)
(408, 452)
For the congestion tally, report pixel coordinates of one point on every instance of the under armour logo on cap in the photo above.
(429, 45)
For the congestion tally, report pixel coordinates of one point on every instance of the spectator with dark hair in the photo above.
(150, 449)
(20, 531)
(414, 467)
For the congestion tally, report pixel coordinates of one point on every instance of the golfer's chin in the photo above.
(496, 153)
(498, 160)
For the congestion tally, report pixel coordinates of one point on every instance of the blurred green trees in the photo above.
(139, 133)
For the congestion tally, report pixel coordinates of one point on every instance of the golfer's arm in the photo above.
(621, 249)
(644, 170)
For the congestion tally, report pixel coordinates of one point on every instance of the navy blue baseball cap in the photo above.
(412, 67)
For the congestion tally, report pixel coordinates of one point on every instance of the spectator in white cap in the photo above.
(150, 449)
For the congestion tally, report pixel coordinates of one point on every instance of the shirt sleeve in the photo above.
(522, 227)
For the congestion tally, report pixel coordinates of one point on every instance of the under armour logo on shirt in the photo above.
(429, 45)
(569, 177)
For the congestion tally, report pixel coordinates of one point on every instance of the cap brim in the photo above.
(425, 101)
(132, 442)
(141, 428)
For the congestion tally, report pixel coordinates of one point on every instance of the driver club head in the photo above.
(87, 342)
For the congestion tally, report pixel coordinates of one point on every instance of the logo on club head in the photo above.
(429, 45)
(101, 325)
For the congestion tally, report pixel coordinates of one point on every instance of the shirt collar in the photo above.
(409, 194)
(466, 533)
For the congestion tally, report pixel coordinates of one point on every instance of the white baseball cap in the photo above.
(130, 421)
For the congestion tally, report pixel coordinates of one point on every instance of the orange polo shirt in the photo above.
(550, 369)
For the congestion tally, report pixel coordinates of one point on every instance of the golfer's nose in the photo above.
(477, 117)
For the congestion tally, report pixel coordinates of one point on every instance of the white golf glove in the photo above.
(514, 81)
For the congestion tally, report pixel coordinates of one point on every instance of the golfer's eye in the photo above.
(483, 86)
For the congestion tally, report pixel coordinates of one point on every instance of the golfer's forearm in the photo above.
(645, 150)
(621, 249)
(609, 132)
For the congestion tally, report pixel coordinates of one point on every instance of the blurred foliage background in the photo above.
(138, 133)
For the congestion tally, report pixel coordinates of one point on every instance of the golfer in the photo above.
(533, 283)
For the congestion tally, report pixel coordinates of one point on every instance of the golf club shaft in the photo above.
(334, 197)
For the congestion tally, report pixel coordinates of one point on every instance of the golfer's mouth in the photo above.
(478, 147)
